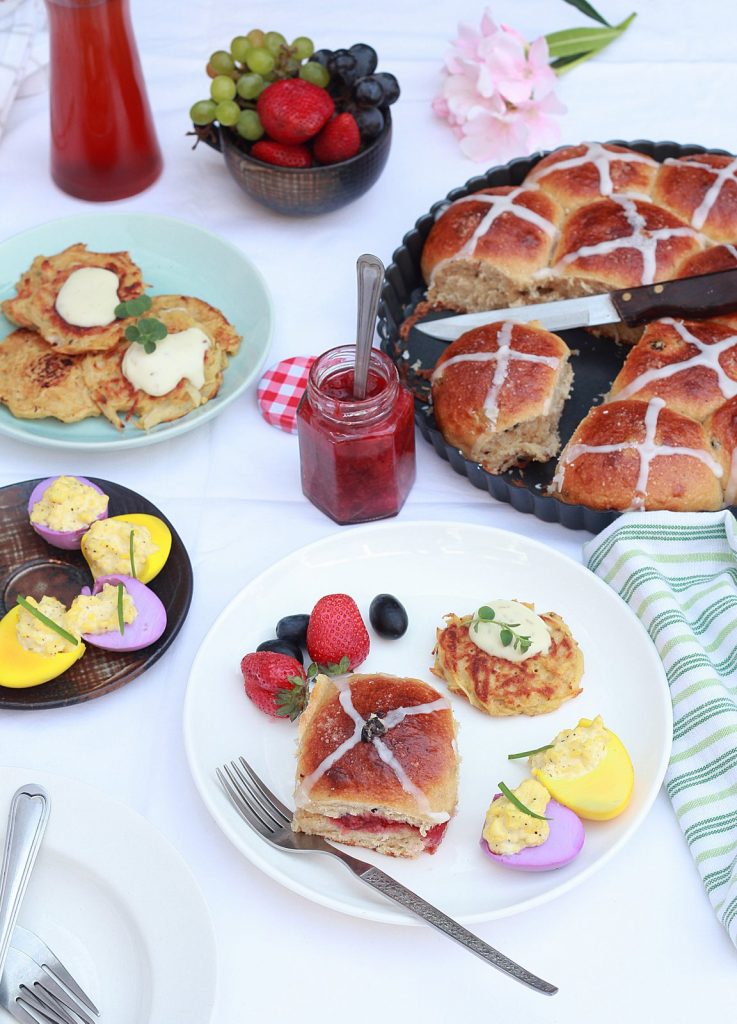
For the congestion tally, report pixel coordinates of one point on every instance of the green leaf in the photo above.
(528, 753)
(133, 307)
(37, 614)
(587, 9)
(291, 700)
(507, 792)
(506, 636)
(575, 45)
(132, 333)
(485, 614)
(121, 310)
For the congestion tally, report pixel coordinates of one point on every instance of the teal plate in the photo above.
(174, 257)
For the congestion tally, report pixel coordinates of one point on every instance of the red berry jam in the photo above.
(373, 823)
(357, 456)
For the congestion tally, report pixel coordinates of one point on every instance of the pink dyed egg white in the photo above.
(68, 540)
(146, 628)
(562, 845)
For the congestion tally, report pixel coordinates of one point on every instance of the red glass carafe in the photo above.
(103, 142)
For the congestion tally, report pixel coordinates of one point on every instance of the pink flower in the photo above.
(497, 92)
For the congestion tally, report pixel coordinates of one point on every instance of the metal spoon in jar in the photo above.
(370, 273)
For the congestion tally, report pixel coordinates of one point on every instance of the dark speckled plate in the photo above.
(28, 565)
(595, 361)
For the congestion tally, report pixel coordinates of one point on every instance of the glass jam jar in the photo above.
(357, 456)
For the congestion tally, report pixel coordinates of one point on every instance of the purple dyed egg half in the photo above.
(146, 628)
(562, 845)
(69, 540)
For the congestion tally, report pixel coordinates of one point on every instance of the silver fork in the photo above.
(34, 947)
(272, 820)
(25, 984)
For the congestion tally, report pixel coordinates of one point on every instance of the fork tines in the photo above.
(263, 811)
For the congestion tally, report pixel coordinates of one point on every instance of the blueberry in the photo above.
(343, 65)
(366, 58)
(294, 629)
(283, 647)
(388, 616)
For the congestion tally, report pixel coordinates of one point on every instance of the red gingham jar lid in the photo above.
(280, 390)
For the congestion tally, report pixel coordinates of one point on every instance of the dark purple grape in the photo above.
(368, 92)
(322, 57)
(390, 86)
(343, 65)
(388, 616)
(366, 58)
(282, 647)
(370, 121)
(293, 628)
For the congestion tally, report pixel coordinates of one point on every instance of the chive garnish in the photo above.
(529, 753)
(507, 792)
(121, 623)
(47, 621)
(133, 563)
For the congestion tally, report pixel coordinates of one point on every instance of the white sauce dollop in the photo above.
(88, 297)
(525, 623)
(179, 356)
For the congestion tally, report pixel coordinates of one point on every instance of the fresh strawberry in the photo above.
(337, 638)
(281, 154)
(292, 110)
(340, 139)
(275, 683)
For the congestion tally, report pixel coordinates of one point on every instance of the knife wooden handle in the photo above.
(693, 298)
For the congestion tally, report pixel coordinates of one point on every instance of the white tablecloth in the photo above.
(638, 939)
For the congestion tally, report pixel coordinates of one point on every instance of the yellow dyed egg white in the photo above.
(106, 546)
(21, 668)
(588, 770)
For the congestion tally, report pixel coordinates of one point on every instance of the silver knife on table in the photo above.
(690, 298)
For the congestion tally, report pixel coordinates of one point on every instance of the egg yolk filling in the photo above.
(574, 752)
(508, 829)
(107, 547)
(588, 770)
(34, 635)
(67, 505)
(98, 613)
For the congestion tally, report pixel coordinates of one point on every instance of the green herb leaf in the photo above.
(506, 636)
(507, 792)
(133, 307)
(121, 622)
(37, 614)
(528, 753)
(132, 333)
(485, 614)
(585, 8)
(132, 559)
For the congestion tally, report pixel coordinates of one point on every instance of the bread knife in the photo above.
(690, 298)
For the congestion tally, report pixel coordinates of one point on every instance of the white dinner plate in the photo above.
(119, 907)
(433, 568)
(175, 257)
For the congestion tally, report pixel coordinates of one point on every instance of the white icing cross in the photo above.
(707, 356)
(642, 239)
(498, 204)
(601, 158)
(647, 449)
(721, 176)
(390, 720)
(503, 356)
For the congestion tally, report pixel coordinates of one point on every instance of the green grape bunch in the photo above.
(239, 76)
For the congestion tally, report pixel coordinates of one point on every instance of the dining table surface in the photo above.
(638, 938)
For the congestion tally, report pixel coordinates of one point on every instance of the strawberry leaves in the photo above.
(292, 700)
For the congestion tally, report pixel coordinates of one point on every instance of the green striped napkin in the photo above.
(678, 573)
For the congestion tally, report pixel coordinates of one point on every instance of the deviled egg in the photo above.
(135, 544)
(525, 829)
(62, 508)
(119, 614)
(36, 644)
